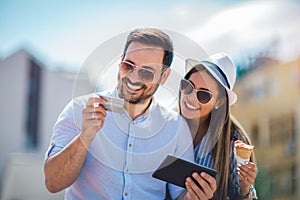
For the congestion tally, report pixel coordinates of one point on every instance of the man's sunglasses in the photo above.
(145, 75)
(187, 87)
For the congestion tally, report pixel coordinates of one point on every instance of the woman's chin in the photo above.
(189, 115)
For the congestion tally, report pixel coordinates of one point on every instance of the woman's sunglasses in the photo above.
(145, 75)
(187, 87)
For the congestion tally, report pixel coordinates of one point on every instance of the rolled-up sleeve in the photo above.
(67, 126)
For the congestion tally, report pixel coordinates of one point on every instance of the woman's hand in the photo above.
(207, 183)
(247, 175)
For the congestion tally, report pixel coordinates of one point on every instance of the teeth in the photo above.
(133, 87)
(190, 106)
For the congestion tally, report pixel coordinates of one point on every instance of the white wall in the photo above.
(56, 92)
(25, 169)
(24, 179)
(13, 87)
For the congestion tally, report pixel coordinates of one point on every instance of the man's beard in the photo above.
(147, 92)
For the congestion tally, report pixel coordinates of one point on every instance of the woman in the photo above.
(205, 98)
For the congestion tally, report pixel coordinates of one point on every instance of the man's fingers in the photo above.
(95, 110)
(95, 115)
(95, 101)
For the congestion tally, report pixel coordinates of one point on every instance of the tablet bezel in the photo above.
(175, 170)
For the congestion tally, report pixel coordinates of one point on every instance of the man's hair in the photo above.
(153, 37)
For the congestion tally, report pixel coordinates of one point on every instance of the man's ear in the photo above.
(165, 75)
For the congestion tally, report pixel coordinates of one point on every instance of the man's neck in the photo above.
(136, 110)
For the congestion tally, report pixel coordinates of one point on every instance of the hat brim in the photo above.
(191, 63)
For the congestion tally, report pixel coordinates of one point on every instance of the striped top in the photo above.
(203, 156)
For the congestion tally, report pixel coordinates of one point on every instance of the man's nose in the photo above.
(134, 76)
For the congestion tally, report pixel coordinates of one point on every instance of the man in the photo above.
(107, 155)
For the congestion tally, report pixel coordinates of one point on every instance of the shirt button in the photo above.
(126, 170)
(126, 194)
(130, 145)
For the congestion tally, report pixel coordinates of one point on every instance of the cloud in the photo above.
(254, 25)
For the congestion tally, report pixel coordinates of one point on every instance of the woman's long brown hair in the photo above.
(223, 124)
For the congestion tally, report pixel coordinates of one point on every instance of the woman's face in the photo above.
(191, 108)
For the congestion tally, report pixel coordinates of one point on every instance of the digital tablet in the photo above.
(175, 170)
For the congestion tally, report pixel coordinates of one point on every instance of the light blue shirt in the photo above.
(125, 152)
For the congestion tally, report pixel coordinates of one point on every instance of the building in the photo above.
(269, 109)
(32, 96)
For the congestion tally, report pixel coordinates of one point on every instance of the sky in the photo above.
(62, 34)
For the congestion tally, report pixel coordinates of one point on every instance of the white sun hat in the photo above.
(222, 68)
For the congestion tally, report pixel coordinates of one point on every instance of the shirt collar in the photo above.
(144, 115)
(146, 125)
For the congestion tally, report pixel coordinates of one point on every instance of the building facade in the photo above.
(32, 97)
(269, 109)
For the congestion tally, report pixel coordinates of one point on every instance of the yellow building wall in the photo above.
(268, 107)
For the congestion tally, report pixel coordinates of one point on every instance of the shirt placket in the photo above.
(128, 165)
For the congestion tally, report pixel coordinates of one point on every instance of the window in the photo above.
(33, 100)
(258, 93)
(254, 133)
(283, 181)
(281, 129)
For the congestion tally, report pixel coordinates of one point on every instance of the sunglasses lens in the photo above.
(145, 75)
(186, 87)
(126, 67)
(204, 96)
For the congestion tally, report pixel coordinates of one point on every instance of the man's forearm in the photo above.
(63, 168)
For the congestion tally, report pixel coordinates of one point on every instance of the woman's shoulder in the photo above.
(238, 134)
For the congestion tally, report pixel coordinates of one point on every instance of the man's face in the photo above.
(131, 86)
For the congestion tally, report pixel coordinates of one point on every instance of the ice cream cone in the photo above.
(243, 151)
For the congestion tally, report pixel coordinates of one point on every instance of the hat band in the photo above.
(218, 72)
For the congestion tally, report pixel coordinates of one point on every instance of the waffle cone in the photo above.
(243, 150)
(243, 153)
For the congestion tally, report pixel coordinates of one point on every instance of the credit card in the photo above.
(113, 104)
